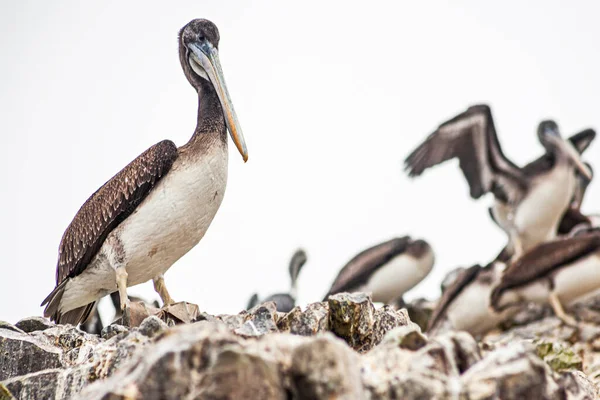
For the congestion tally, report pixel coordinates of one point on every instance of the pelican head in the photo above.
(418, 248)
(549, 136)
(199, 56)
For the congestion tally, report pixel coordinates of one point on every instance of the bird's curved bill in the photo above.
(571, 152)
(207, 56)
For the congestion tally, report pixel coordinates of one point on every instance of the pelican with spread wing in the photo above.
(529, 201)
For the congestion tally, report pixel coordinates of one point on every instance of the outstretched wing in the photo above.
(109, 206)
(358, 270)
(544, 259)
(471, 137)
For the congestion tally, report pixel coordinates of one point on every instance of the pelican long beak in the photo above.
(207, 56)
(571, 152)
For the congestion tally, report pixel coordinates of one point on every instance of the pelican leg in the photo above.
(122, 286)
(517, 246)
(559, 311)
(161, 289)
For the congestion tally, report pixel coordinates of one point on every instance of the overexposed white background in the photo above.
(331, 97)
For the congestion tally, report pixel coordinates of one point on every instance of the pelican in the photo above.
(285, 301)
(556, 272)
(573, 220)
(465, 303)
(157, 208)
(529, 201)
(387, 270)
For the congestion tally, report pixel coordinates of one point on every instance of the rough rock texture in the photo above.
(342, 349)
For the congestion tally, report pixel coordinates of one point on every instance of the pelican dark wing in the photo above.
(104, 211)
(545, 259)
(357, 271)
(462, 280)
(571, 219)
(471, 137)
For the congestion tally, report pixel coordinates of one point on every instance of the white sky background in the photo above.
(331, 98)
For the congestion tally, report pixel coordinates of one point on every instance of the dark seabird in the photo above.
(387, 270)
(157, 208)
(529, 201)
(465, 303)
(556, 272)
(285, 301)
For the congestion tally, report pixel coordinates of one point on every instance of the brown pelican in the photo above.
(556, 272)
(159, 206)
(573, 220)
(465, 303)
(529, 201)
(387, 270)
(285, 301)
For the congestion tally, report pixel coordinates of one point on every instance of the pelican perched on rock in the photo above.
(465, 303)
(529, 201)
(285, 301)
(157, 208)
(387, 270)
(556, 272)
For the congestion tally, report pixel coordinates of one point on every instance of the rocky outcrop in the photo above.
(345, 348)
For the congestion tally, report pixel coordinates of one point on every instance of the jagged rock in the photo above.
(420, 312)
(37, 385)
(152, 326)
(258, 321)
(558, 356)
(386, 319)
(406, 337)
(351, 317)
(201, 360)
(460, 349)
(113, 330)
(247, 356)
(511, 372)
(233, 322)
(313, 320)
(577, 386)
(391, 372)
(325, 368)
(33, 324)
(10, 327)
(179, 313)
(21, 354)
(136, 313)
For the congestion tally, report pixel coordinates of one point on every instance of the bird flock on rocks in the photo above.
(157, 208)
